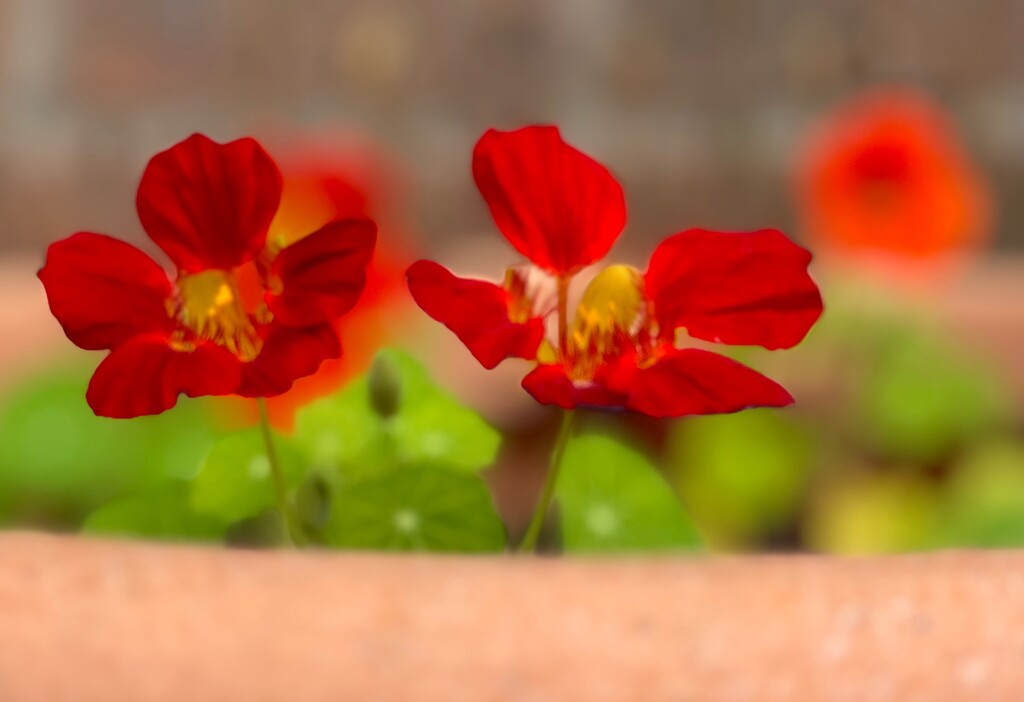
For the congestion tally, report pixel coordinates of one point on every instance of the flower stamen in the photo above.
(211, 306)
(612, 319)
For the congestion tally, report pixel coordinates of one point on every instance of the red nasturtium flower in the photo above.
(240, 316)
(885, 173)
(563, 211)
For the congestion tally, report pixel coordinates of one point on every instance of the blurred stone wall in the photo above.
(696, 105)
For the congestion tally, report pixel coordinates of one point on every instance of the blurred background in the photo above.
(697, 106)
(887, 137)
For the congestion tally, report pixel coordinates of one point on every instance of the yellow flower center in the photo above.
(612, 317)
(212, 307)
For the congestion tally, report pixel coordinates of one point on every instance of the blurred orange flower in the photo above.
(336, 176)
(885, 174)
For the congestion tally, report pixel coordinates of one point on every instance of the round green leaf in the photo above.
(611, 498)
(416, 508)
(235, 480)
(342, 434)
(160, 514)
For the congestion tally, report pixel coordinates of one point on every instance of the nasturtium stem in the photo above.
(563, 314)
(529, 542)
(276, 472)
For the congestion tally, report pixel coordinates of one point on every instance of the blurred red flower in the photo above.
(885, 173)
(339, 176)
(243, 315)
(563, 211)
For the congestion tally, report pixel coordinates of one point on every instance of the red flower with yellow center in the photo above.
(885, 173)
(241, 316)
(564, 211)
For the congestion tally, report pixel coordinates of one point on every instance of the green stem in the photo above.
(563, 314)
(529, 542)
(276, 473)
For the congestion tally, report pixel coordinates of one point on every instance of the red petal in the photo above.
(323, 275)
(145, 376)
(209, 205)
(477, 312)
(104, 291)
(289, 353)
(551, 385)
(685, 382)
(692, 381)
(558, 207)
(734, 288)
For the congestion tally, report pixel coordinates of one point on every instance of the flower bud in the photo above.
(385, 382)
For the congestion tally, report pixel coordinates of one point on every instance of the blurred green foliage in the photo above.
(908, 445)
(922, 399)
(59, 462)
(158, 513)
(859, 511)
(983, 505)
(742, 475)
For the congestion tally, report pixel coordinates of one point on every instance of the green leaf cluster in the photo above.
(391, 462)
(59, 462)
(744, 474)
(923, 399)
